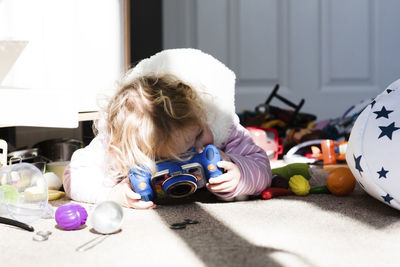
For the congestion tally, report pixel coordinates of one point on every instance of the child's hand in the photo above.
(124, 195)
(226, 182)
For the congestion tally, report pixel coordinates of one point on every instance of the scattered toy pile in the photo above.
(294, 179)
(285, 129)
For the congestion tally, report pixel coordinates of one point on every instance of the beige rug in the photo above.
(316, 230)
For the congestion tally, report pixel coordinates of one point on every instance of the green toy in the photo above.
(293, 169)
(323, 189)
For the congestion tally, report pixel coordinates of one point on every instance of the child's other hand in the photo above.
(124, 195)
(226, 182)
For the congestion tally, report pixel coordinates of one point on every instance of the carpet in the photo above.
(314, 230)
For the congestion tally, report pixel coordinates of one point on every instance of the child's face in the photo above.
(201, 138)
(193, 136)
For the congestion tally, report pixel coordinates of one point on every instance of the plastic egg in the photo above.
(24, 192)
(53, 182)
(340, 181)
(71, 216)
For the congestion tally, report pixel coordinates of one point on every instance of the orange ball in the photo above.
(341, 181)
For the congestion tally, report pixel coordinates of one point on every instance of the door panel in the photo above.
(332, 53)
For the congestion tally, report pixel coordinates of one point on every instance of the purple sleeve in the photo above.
(252, 161)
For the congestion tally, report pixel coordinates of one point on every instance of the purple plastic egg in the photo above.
(71, 216)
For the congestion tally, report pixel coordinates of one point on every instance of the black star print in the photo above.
(389, 90)
(387, 198)
(383, 113)
(357, 162)
(382, 173)
(373, 103)
(388, 130)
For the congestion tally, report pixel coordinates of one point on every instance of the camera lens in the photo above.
(180, 190)
(180, 186)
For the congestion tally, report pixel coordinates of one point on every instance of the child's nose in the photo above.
(199, 148)
(199, 145)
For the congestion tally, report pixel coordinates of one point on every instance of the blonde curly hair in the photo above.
(143, 118)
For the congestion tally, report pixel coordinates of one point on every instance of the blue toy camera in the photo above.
(177, 179)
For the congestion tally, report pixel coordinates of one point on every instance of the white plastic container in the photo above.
(23, 192)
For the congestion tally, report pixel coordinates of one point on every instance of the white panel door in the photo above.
(332, 53)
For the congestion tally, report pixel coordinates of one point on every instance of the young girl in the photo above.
(173, 101)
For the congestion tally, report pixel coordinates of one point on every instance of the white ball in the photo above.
(106, 217)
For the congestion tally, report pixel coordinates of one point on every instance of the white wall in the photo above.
(74, 53)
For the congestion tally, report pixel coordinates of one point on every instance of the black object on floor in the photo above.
(17, 224)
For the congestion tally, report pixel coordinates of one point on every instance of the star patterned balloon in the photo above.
(374, 145)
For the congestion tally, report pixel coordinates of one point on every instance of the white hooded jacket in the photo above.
(86, 179)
